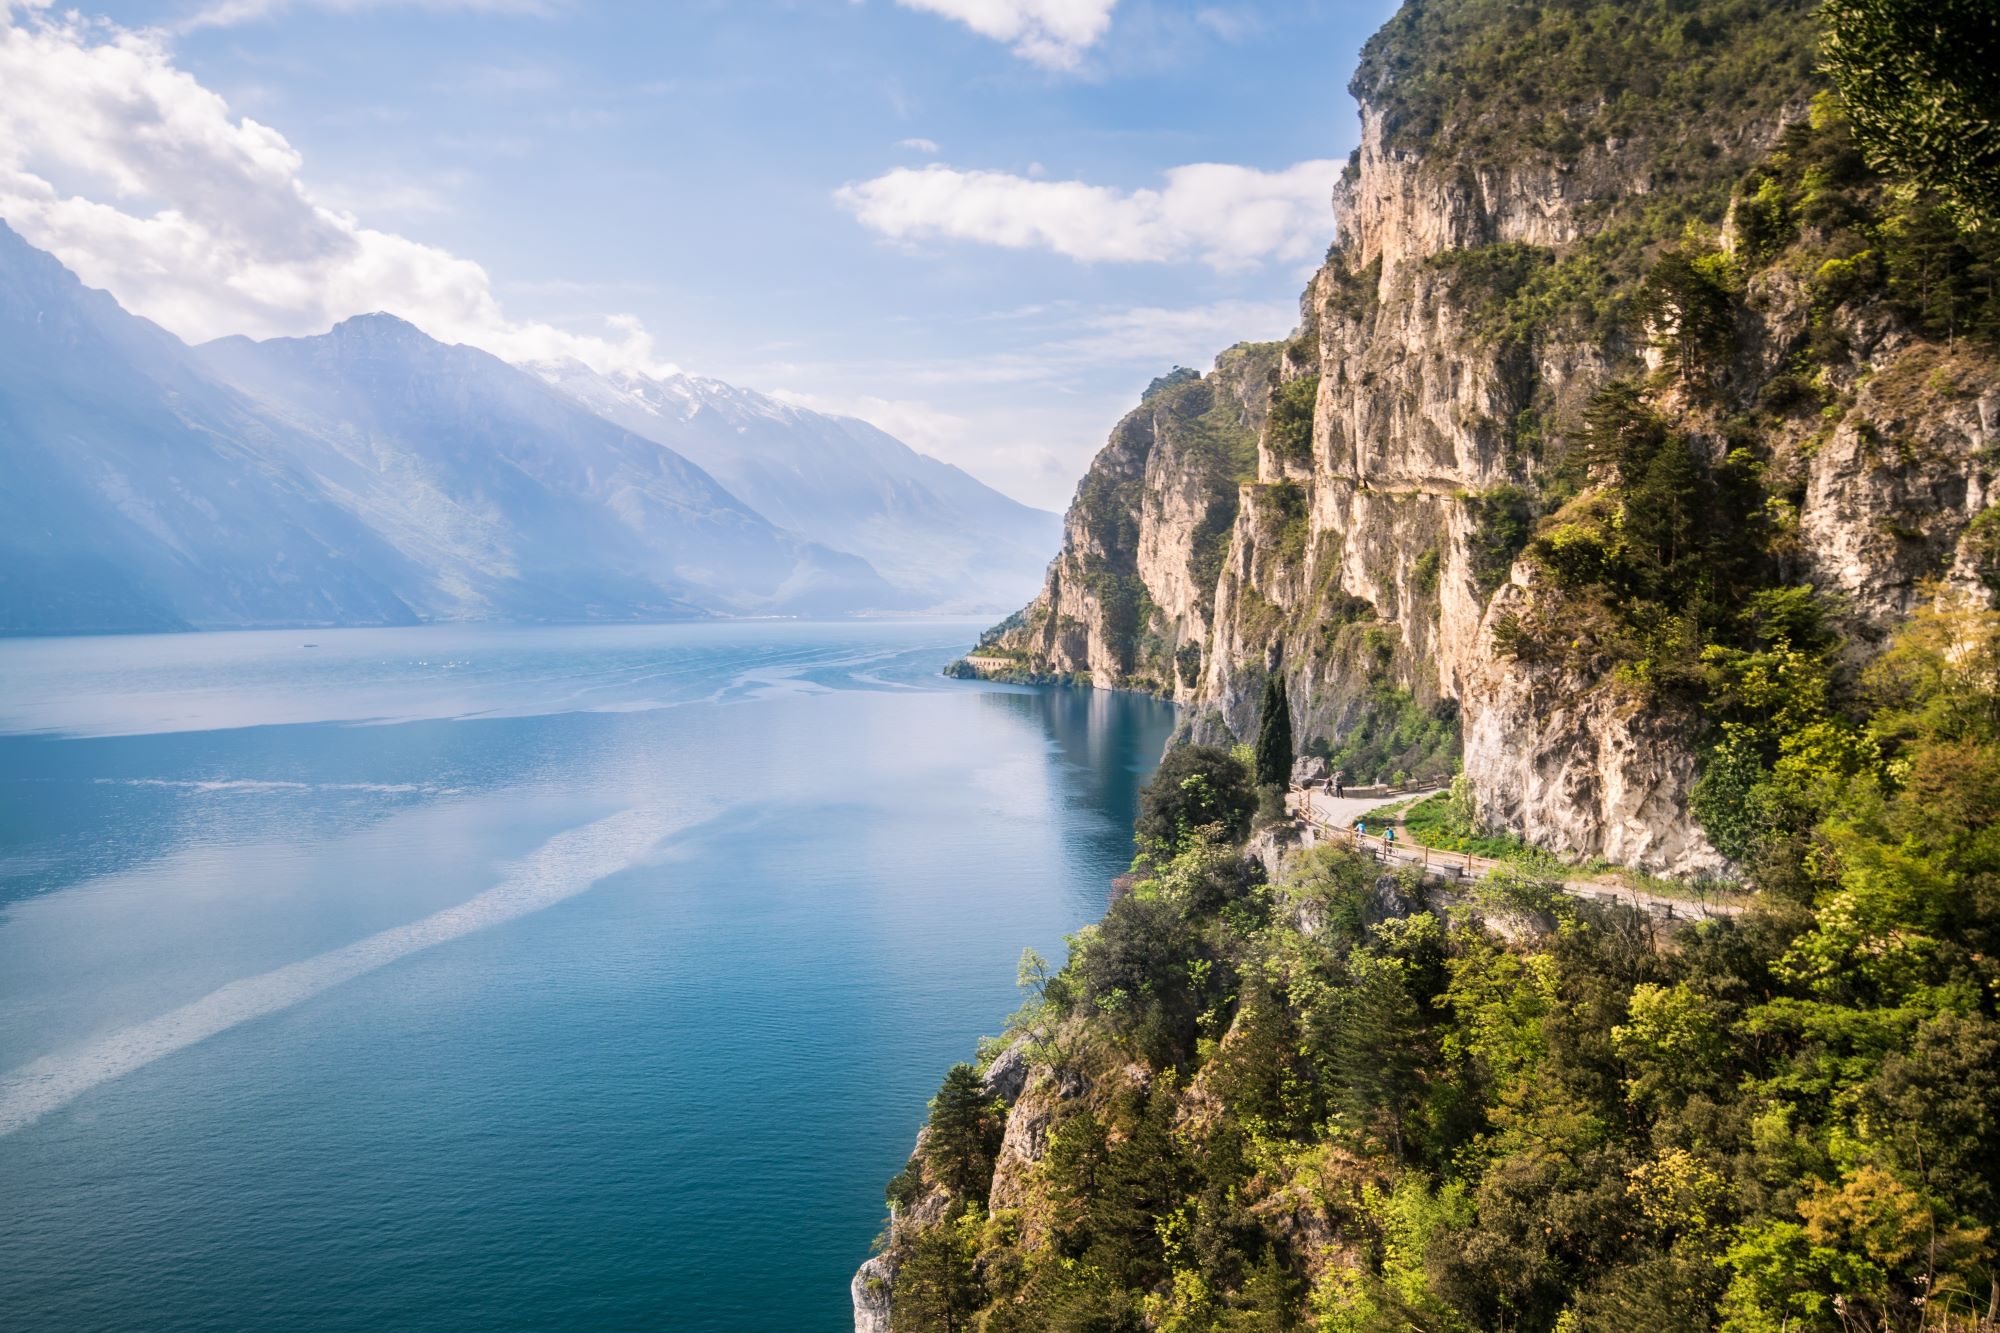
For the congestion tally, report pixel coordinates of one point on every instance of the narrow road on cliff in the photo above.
(1332, 819)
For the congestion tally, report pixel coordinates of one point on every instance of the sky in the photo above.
(983, 225)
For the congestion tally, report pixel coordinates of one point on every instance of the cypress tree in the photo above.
(1274, 734)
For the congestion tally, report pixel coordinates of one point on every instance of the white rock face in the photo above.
(1580, 768)
(1151, 518)
(870, 1291)
(1359, 566)
(1889, 492)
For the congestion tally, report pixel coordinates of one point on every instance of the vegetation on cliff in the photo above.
(1283, 1092)
(1668, 556)
(1632, 294)
(1347, 1101)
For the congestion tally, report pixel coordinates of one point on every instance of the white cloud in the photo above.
(1228, 217)
(1231, 25)
(1188, 335)
(1052, 33)
(144, 183)
(926, 146)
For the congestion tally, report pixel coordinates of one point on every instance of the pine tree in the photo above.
(1374, 1047)
(1274, 734)
(1688, 305)
(937, 1289)
(960, 1145)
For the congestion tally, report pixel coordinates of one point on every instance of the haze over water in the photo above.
(483, 977)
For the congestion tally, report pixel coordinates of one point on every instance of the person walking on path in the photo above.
(1340, 784)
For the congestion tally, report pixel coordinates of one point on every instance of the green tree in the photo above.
(1935, 1110)
(1139, 1183)
(1502, 520)
(1620, 432)
(1291, 420)
(937, 1287)
(1686, 300)
(1269, 1301)
(1370, 1043)
(964, 1134)
(1274, 733)
(1195, 788)
(1921, 82)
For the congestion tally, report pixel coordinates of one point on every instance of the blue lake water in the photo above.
(470, 977)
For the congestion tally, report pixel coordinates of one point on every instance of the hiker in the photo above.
(1361, 827)
(1340, 784)
(1389, 835)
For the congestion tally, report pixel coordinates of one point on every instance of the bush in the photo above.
(1289, 429)
(1197, 788)
(1270, 804)
(1502, 518)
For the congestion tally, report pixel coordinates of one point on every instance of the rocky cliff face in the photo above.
(1130, 601)
(1487, 281)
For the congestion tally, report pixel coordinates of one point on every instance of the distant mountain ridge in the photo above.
(518, 503)
(931, 529)
(133, 493)
(373, 475)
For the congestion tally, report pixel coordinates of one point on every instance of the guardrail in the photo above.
(1374, 790)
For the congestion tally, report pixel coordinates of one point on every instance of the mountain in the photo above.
(135, 492)
(946, 539)
(371, 475)
(517, 502)
(1618, 341)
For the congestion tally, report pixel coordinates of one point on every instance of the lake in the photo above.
(482, 977)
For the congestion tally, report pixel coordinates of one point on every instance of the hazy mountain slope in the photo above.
(524, 504)
(369, 475)
(931, 529)
(130, 497)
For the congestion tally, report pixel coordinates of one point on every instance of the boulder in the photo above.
(1008, 1073)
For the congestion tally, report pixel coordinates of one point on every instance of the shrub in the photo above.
(1502, 518)
(1196, 787)
(1289, 428)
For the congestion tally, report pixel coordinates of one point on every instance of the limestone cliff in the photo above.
(1497, 250)
(1130, 601)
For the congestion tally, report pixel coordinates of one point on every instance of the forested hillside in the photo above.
(1348, 1101)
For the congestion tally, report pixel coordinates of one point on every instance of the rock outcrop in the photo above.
(1481, 291)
